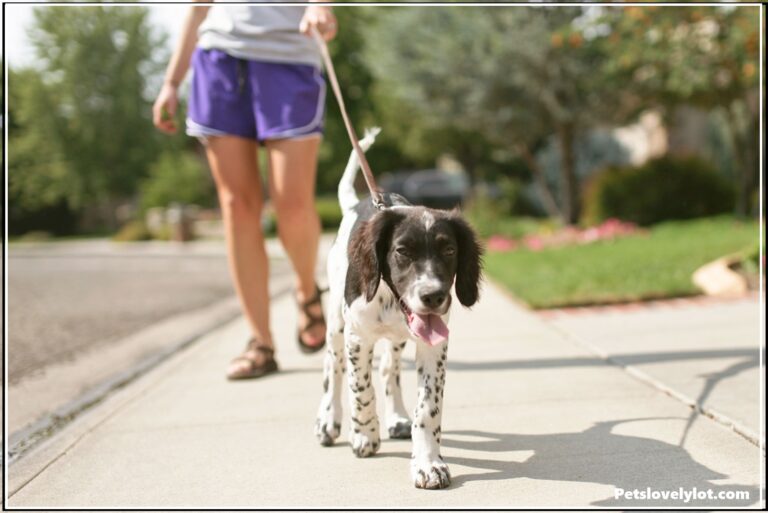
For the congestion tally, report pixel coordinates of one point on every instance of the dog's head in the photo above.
(419, 253)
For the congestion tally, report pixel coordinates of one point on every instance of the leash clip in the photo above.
(378, 202)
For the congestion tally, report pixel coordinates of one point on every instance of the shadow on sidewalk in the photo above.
(623, 359)
(711, 380)
(597, 455)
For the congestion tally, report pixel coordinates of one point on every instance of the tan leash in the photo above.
(378, 201)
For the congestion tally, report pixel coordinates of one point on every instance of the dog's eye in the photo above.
(449, 251)
(403, 252)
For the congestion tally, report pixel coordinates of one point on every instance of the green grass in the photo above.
(657, 264)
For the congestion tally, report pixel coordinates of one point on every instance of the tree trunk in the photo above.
(569, 186)
(744, 168)
(546, 196)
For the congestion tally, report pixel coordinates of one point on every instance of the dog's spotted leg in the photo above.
(364, 430)
(397, 421)
(428, 470)
(328, 424)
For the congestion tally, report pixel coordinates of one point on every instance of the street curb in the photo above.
(215, 316)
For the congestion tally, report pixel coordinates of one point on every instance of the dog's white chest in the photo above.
(381, 317)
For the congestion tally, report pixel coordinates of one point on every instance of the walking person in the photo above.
(256, 81)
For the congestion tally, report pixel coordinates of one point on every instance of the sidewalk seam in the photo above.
(647, 379)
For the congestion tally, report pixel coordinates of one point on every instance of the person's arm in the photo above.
(164, 109)
(320, 17)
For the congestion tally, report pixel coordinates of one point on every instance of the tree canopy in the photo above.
(81, 126)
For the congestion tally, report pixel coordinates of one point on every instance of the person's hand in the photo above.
(320, 17)
(164, 109)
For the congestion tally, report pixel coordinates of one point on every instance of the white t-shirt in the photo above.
(259, 32)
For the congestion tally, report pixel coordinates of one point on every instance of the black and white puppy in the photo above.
(390, 274)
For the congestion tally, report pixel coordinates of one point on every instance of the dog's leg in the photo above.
(398, 423)
(428, 470)
(328, 424)
(364, 434)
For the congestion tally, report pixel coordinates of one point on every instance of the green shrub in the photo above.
(35, 236)
(132, 231)
(662, 189)
(329, 212)
(509, 214)
(177, 177)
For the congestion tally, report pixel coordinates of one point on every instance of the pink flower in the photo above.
(534, 243)
(501, 243)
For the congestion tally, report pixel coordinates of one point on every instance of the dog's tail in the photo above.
(347, 195)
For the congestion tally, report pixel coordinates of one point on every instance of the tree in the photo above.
(82, 129)
(702, 56)
(355, 81)
(514, 75)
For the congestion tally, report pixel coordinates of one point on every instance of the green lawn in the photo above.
(654, 265)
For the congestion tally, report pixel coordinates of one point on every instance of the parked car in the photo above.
(432, 188)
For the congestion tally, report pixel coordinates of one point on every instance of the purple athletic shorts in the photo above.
(253, 99)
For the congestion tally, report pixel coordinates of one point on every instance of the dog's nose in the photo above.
(433, 299)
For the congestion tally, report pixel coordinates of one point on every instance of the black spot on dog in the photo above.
(325, 384)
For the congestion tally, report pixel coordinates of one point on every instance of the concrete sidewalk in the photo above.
(704, 350)
(532, 419)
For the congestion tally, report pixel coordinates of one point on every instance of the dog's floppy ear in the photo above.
(368, 250)
(469, 259)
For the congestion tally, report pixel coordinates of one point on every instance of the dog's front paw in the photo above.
(364, 445)
(430, 474)
(327, 431)
(400, 428)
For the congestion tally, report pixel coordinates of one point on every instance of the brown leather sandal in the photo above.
(256, 366)
(313, 320)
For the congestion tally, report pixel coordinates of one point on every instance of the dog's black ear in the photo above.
(368, 250)
(469, 260)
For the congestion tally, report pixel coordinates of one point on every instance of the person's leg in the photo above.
(292, 171)
(234, 165)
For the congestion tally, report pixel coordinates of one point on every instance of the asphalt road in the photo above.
(66, 298)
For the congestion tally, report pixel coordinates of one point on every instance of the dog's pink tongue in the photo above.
(430, 328)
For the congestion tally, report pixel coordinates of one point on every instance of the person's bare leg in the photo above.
(235, 169)
(292, 171)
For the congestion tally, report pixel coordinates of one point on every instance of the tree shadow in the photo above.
(597, 455)
(590, 361)
(711, 380)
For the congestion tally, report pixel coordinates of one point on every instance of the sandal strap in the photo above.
(315, 299)
(313, 319)
(255, 344)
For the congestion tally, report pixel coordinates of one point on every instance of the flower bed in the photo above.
(567, 236)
